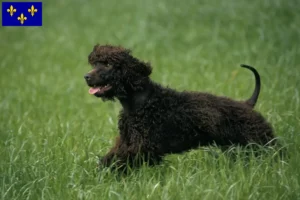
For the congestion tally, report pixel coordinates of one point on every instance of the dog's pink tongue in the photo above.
(93, 90)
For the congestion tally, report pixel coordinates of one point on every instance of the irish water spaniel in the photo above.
(156, 120)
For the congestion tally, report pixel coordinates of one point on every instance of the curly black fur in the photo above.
(156, 120)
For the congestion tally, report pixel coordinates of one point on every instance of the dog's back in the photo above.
(204, 119)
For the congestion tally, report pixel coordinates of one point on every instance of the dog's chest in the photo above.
(141, 123)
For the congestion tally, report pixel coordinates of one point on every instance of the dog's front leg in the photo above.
(111, 156)
(122, 155)
(119, 156)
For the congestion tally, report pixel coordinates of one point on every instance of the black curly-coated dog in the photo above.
(156, 120)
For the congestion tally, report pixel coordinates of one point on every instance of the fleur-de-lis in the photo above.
(11, 10)
(32, 10)
(22, 18)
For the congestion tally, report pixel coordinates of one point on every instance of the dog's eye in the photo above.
(99, 63)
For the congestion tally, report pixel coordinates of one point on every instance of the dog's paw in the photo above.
(102, 162)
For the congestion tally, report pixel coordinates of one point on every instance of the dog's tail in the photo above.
(252, 100)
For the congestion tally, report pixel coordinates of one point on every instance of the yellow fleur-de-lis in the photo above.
(22, 18)
(32, 10)
(11, 10)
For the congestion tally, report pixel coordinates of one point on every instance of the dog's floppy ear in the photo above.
(144, 69)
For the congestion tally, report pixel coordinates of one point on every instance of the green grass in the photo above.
(51, 129)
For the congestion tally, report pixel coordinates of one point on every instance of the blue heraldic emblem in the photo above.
(22, 14)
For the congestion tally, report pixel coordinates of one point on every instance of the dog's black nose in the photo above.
(87, 77)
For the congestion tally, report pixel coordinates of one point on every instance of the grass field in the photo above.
(51, 129)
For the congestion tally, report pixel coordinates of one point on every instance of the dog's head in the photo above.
(115, 73)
